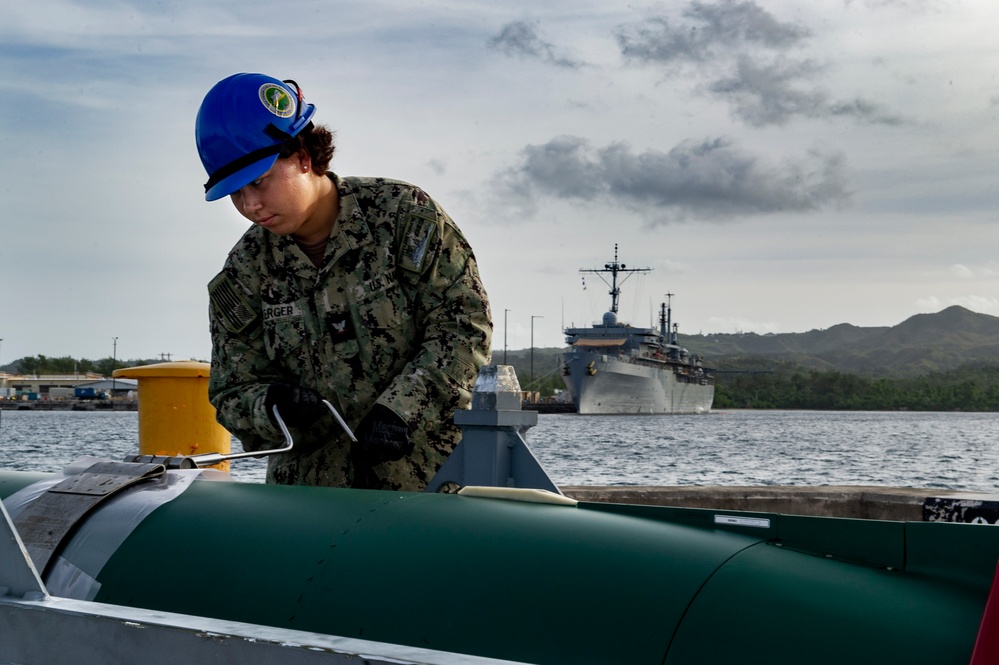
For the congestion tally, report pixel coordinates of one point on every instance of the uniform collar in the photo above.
(351, 229)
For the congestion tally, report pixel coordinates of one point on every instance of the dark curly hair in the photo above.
(317, 140)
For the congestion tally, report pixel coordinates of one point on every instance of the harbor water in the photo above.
(956, 451)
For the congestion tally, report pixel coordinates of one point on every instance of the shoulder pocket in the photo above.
(417, 249)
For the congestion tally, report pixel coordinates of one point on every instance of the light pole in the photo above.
(505, 311)
(114, 361)
(533, 316)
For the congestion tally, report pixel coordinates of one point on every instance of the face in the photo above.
(283, 199)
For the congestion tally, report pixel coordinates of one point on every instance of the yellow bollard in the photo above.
(175, 416)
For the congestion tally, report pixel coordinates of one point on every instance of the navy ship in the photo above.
(615, 368)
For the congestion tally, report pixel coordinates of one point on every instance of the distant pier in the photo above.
(549, 407)
(68, 405)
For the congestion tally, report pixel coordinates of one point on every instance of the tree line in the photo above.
(37, 365)
(972, 387)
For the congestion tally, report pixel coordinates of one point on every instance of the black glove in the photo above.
(381, 437)
(298, 406)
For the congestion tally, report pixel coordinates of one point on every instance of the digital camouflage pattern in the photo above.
(396, 315)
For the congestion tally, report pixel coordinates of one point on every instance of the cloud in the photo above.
(521, 38)
(125, 28)
(711, 179)
(765, 94)
(744, 56)
(438, 166)
(726, 24)
(961, 271)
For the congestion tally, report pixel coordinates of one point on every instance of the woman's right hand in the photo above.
(298, 406)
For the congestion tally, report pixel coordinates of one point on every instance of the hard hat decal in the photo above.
(277, 100)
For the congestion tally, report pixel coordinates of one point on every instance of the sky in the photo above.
(778, 166)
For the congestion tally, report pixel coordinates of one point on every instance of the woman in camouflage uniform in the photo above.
(360, 291)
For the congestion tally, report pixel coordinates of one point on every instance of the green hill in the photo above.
(921, 344)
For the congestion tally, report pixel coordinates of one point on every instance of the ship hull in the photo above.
(604, 385)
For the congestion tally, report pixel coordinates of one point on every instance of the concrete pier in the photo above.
(856, 501)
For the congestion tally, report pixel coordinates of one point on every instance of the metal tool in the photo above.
(209, 459)
(340, 420)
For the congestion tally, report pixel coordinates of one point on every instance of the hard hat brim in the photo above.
(240, 178)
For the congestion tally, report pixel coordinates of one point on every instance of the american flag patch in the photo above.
(232, 306)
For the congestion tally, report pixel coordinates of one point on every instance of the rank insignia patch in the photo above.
(340, 327)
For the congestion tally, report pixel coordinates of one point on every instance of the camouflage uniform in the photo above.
(396, 315)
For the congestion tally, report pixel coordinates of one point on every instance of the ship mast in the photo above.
(665, 314)
(614, 268)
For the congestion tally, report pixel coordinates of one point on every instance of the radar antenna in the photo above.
(614, 268)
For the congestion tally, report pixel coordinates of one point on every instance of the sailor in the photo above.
(359, 291)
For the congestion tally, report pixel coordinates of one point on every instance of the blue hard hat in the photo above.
(242, 125)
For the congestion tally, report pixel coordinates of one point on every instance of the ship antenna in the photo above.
(614, 268)
(669, 315)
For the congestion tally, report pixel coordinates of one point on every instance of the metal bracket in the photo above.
(45, 523)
